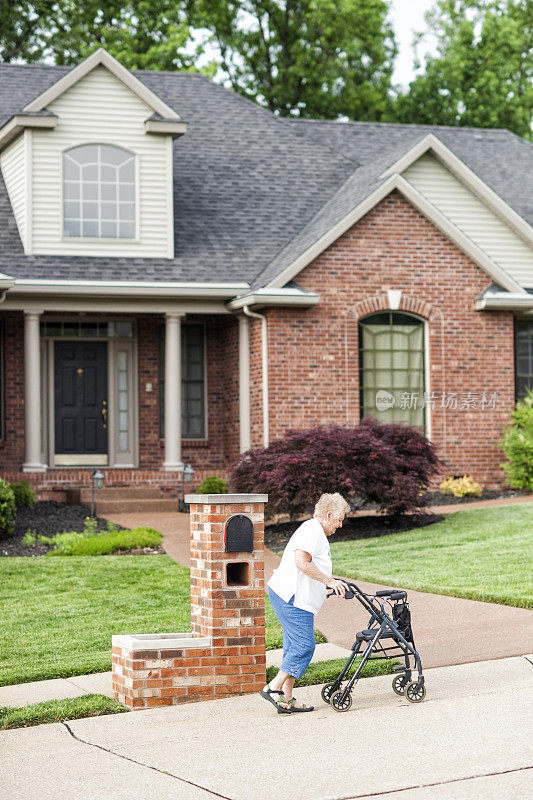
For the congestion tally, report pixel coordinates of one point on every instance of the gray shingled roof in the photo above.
(252, 189)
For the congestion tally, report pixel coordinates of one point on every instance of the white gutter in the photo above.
(275, 297)
(165, 289)
(6, 284)
(507, 301)
(264, 358)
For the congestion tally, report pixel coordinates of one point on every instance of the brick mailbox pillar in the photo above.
(225, 651)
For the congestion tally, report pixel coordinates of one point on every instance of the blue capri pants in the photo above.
(298, 634)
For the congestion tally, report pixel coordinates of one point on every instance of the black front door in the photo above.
(80, 398)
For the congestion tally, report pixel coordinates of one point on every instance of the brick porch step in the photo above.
(103, 507)
(121, 499)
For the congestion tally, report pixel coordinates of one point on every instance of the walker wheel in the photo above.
(398, 684)
(326, 692)
(341, 701)
(415, 692)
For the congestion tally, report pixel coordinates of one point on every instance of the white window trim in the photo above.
(104, 239)
(428, 421)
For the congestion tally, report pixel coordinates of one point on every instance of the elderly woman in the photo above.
(297, 590)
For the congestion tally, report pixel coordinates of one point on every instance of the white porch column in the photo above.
(244, 384)
(173, 392)
(32, 393)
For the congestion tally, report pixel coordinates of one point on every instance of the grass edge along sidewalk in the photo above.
(478, 554)
(96, 705)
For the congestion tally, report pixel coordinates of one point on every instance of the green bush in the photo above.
(7, 508)
(29, 538)
(517, 444)
(76, 544)
(24, 494)
(212, 484)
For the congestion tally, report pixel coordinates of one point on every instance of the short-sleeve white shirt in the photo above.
(287, 580)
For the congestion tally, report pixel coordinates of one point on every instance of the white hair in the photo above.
(331, 502)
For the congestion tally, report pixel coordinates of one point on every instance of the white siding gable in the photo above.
(13, 162)
(473, 217)
(100, 109)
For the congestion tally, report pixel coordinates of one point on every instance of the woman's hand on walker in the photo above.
(337, 586)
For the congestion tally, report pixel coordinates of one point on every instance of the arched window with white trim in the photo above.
(392, 368)
(98, 192)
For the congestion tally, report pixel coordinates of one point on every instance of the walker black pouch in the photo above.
(402, 617)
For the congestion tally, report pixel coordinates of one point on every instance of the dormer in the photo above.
(88, 165)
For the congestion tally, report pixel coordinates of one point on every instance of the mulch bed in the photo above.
(362, 527)
(46, 518)
(366, 526)
(439, 499)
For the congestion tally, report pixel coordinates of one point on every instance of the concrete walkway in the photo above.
(471, 739)
(448, 630)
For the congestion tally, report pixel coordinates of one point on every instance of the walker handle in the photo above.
(348, 594)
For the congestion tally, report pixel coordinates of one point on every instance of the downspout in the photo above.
(264, 353)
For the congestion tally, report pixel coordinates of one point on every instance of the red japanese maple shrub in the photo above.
(387, 464)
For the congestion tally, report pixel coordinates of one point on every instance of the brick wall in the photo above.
(12, 437)
(313, 353)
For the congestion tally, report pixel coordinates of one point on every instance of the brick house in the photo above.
(167, 246)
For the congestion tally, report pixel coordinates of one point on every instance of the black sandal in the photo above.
(268, 696)
(295, 708)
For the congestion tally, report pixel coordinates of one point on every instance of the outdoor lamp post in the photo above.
(97, 483)
(186, 478)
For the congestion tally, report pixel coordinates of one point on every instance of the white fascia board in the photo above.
(85, 304)
(273, 297)
(165, 289)
(19, 122)
(431, 143)
(499, 275)
(174, 127)
(334, 233)
(101, 57)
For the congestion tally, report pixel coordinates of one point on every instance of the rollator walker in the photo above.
(388, 635)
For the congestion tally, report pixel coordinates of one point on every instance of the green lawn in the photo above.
(90, 705)
(58, 614)
(481, 554)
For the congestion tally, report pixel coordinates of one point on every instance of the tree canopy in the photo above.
(482, 74)
(324, 59)
(151, 34)
(308, 58)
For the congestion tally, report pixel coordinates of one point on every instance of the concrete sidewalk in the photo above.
(469, 740)
(448, 630)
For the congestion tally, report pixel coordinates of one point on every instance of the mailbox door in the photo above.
(239, 534)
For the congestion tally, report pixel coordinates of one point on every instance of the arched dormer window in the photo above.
(392, 362)
(98, 192)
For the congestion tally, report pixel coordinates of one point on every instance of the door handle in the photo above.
(104, 414)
